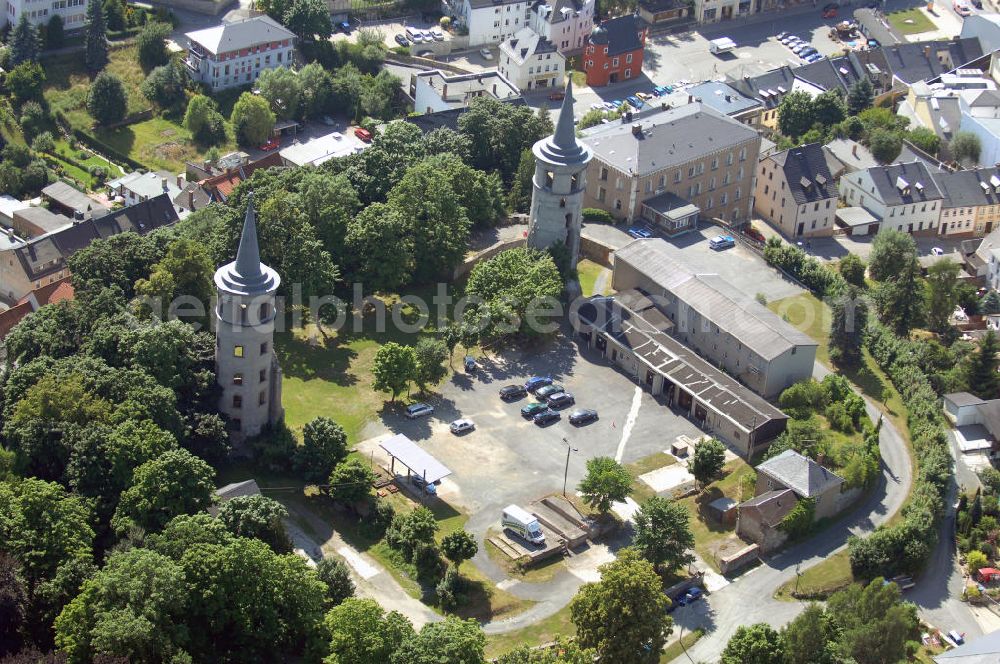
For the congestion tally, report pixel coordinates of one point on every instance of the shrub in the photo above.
(43, 143)
(428, 561)
(450, 590)
(596, 216)
(802, 399)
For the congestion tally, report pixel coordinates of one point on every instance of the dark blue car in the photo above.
(535, 382)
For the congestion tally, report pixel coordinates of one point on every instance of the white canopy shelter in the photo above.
(416, 459)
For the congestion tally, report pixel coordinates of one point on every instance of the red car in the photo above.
(558, 95)
(363, 134)
(830, 10)
(272, 144)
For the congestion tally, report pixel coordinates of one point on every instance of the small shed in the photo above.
(417, 460)
(987, 575)
(724, 509)
(857, 221)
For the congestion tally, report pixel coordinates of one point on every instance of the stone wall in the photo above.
(466, 267)
(740, 559)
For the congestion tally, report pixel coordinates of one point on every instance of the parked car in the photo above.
(461, 426)
(402, 40)
(661, 90)
(691, 596)
(546, 391)
(272, 144)
(546, 417)
(781, 35)
(978, 4)
(962, 9)
(937, 251)
(344, 26)
(720, 242)
(533, 409)
(789, 39)
(808, 50)
(416, 410)
(511, 392)
(583, 416)
(813, 57)
(560, 400)
(634, 101)
(485, 52)
(535, 382)
(617, 104)
(428, 487)
(363, 134)
(470, 364)
(639, 232)
(436, 34)
(557, 95)
(645, 96)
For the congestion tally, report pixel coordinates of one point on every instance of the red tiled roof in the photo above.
(225, 183)
(63, 293)
(57, 291)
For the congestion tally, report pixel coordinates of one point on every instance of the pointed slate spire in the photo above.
(248, 255)
(565, 136)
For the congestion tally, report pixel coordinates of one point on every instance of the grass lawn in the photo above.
(68, 159)
(160, 143)
(677, 648)
(820, 581)
(911, 21)
(543, 631)
(640, 490)
(588, 272)
(737, 483)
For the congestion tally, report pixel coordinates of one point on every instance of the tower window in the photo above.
(243, 314)
(549, 177)
(237, 379)
(265, 311)
(263, 348)
(237, 401)
(262, 398)
(236, 424)
(263, 375)
(237, 351)
(562, 202)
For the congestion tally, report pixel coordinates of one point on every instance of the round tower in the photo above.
(245, 365)
(558, 185)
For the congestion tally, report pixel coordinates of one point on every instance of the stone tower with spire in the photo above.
(558, 185)
(245, 365)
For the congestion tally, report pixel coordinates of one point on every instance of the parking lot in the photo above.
(509, 459)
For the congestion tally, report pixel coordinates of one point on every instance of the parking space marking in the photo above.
(633, 413)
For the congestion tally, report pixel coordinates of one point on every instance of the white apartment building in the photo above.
(565, 23)
(435, 90)
(530, 61)
(902, 197)
(233, 54)
(488, 21)
(40, 12)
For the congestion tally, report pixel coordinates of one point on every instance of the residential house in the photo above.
(980, 115)
(796, 192)
(488, 21)
(28, 264)
(975, 423)
(322, 149)
(436, 90)
(807, 479)
(614, 51)
(66, 200)
(634, 332)
(971, 204)
(709, 315)
(911, 62)
(57, 291)
(530, 61)
(565, 23)
(137, 187)
(713, 11)
(663, 11)
(844, 156)
(726, 100)
(940, 106)
(770, 88)
(902, 197)
(984, 27)
(760, 518)
(233, 54)
(693, 152)
(220, 187)
(72, 12)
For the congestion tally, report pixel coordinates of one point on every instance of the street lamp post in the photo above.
(569, 449)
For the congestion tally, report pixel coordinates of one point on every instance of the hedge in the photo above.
(594, 215)
(813, 274)
(96, 144)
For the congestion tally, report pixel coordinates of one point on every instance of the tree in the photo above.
(892, 251)
(336, 575)
(252, 119)
(308, 19)
(805, 639)
(852, 269)
(828, 108)
(900, 300)
(393, 368)
(451, 641)
(114, 14)
(885, 145)
(982, 371)
(796, 114)
(430, 356)
(184, 272)
(351, 482)
(966, 147)
(942, 293)
(13, 604)
(95, 38)
(107, 101)
(873, 623)
(282, 90)
(521, 188)
(317, 90)
(708, 460)
(847, 328)
(175, 483)
(361, 632)
(24, 42)
(324, 445)
(25, 81)
(523, 281)
(754, 644)
(663, 533)
(259, 517)
(606, 482)
(152, 45)
(133, 608)
(459, 546)
(976, 560)
(499, 133)
(408, 531)
(33, 119)
(379, 248)
(925, 139)
(204, 121)
(860, 96)
(55, 33)
(563, 652)
(43, 143)
(165, 85)
(623, 617)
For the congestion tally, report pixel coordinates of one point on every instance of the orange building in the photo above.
(614, 51)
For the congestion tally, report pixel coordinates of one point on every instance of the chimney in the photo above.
(191, 199)
(208, 166)
(690, 99)
(180, 181)
(163, 182)
(77, 216)
(637, 130)
(444, 90)
(927, 52)
(854, 150)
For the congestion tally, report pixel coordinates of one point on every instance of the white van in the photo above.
(519, 521)
(416, 36)
(721, 45)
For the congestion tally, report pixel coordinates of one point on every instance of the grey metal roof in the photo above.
(247, 275)
(65, 195)
(887, 177)
(562, 148)
(856, 216)
(715, 299)
(723, 98)
(983, 650)
(920, 61)
(620, 35)
(42, 218)
(667, 138)
(801, 474)
(963, 399)
(772, 506)
(807, 174)
(240, 34)
(966, 188)
(671, 205)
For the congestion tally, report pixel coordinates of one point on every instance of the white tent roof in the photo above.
(415, 458)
